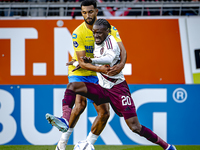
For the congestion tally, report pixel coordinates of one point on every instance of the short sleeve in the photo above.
(78, 43)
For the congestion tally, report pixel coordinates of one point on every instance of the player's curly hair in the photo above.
(103, 22)
(88, 3)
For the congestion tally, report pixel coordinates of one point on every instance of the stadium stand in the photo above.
(35, 8)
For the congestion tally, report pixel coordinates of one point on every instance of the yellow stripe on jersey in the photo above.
(83, 40)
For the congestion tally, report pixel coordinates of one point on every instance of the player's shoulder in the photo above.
(113, 28)
(115, 33)
(110, 42)
(111, 37)
(81, 26)
(79, 29)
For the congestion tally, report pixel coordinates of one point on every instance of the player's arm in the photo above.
(80, 55)
(105, 60)
(104, 68)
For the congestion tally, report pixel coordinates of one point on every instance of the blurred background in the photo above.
(106, 8)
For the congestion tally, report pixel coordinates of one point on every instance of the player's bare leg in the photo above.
(135, 126)
(80, 105)
(99, 122)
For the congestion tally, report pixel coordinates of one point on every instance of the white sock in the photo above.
(92, 138)
(65, 136)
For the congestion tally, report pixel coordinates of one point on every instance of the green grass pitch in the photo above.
(97, 147)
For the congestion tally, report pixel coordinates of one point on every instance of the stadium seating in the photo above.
(35, 8)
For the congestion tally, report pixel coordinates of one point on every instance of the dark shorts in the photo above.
(118, 96)
(90, 79)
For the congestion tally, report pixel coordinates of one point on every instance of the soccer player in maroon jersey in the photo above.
(112, 89)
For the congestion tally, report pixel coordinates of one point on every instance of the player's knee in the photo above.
(76, 86)
(71, 86)
(135, 128)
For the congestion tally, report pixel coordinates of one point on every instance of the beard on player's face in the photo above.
(90, 22)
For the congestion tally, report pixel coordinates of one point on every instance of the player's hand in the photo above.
(104, 69)
(114, 70)
(71, 62)
(86, 59)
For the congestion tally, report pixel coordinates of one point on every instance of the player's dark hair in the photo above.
(88, 3)
(103, 22)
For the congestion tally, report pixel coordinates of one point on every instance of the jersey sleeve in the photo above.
(78, 42)
(108, 57)
(115, 34)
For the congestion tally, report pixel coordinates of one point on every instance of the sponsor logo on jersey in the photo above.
(101, 50)
(89, 49)
(74, 36)
(89, 36)
(75, 44)
(114, 28)
(89, 40)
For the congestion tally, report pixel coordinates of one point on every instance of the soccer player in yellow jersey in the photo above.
(83, 42)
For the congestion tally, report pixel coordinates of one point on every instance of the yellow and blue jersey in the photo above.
(83, 40)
